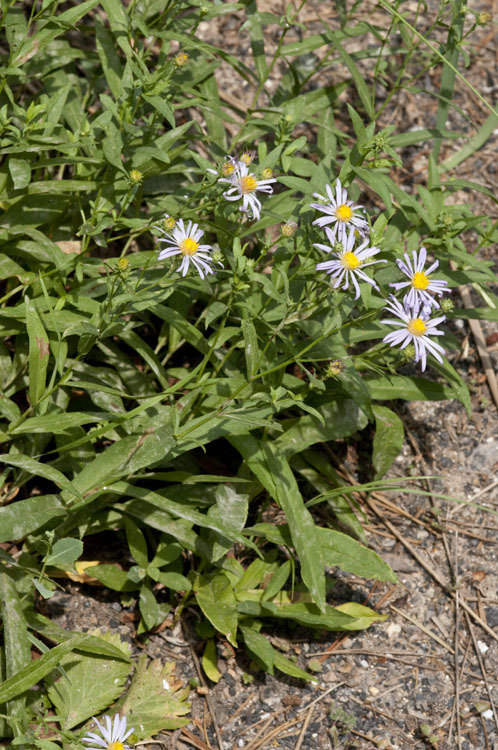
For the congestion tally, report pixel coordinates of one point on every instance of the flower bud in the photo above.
(181, 59)
(447, 305)
(267, 173)
(136, 177)
(289, 229)
(123, 264)
(334, 368)
(247, 157)
(169, 223)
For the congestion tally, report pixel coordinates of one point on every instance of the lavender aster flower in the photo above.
(185, 241)
(243, 186)
(113, 735)
(339, 211)
(414, 327)
(419, 282)
(348, 262)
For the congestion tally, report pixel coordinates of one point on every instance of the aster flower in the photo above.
(419, 282)
(113, 734)
(349, 262)
(414, 327)
(339, 211)
(244, 185)
(186, 241)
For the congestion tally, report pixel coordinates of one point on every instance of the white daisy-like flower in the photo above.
(348, 262)
(339, 211)
(244, 186)
(113, 734)
(414, 327)
(186, 241)
(419, 282)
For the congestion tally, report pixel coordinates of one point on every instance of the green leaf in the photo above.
(74, 695)
(343, 551)
(39, 350)
(341, 419)
(114, 578)
(155, 701)
(259, 647)
(20, 171)
(37, 669)
(288, 667)
(209, 662)
(364, 616)
(54, 423)
(37, 469)
(91, 644)
(149, 608)
(64, 553)
(358, 78)
(109, 59)
(388, 387)
(216, 598)
(24, 517)
(251, 348)
(17, 648)
(388, 439)
(136, 543)
(268, 463)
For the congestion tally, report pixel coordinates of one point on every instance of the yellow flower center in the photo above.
(267, 173)
(246, 157)
(248, 184)
(350, 261)
(115, 746)
(420, 280)
(188, 246)
(227, 168)
(417, 327)
(344, 213)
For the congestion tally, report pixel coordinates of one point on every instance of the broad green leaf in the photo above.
(364, 616)
(209, 662)
(216, 598)
(348, 554)
(109, 59)
(37, 669)
(73, 693)
(149, 608)
(24, 517)
(17, 649)
(114, 578)
(20, 171)
(124, 457)
(39, 351)
(388, 387)
(136, 543)
(155, 700)
(268, 463)
(38, 469)
(251, 348)
(259, 647)
(341, 419)
(388, 439)
(288, 667)
(55, 423)
(92, 644)
(64, 553)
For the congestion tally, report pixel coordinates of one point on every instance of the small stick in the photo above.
(305, 727)
(208, 699)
